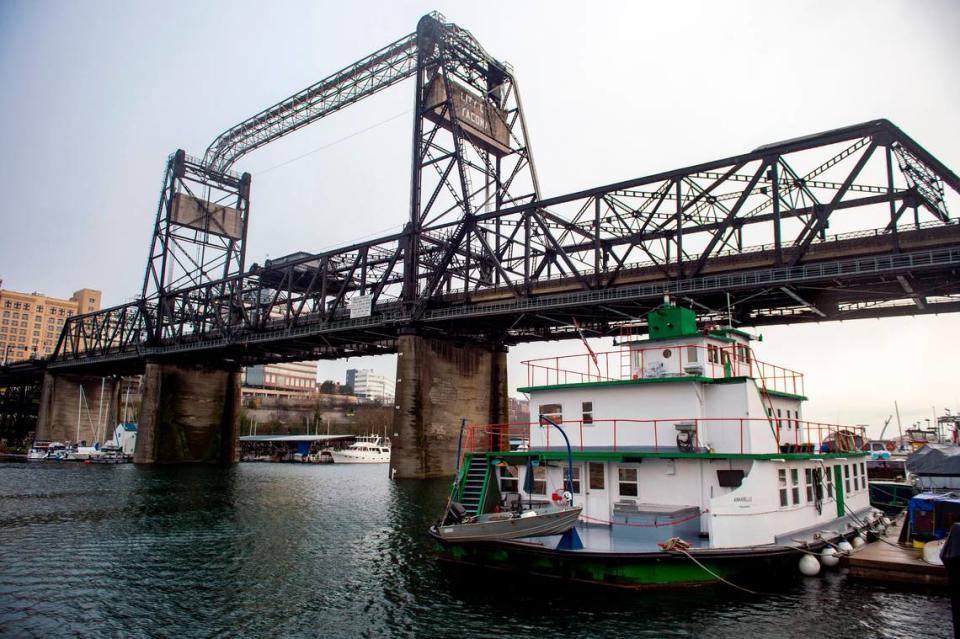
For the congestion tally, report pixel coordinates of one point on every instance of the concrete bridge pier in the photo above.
(78, 408)
(438, 383)
(189, 415)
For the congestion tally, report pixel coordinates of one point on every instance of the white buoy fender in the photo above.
(844, 546)
(828, 557)
(858, 541)
(931, 552)
(809, 565)
(885, 521)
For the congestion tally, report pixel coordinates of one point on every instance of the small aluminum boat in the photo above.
(551, 520)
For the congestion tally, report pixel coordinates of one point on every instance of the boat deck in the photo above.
(602, 539)
(885, 560)
(615, 539)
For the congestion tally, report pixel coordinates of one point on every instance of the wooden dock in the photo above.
(886, 560)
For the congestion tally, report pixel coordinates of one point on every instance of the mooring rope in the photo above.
(678, 545)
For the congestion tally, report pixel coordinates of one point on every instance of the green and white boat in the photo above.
(690, 458)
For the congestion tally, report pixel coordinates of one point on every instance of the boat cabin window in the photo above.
(828, 471)
(509, 479)
(692, 354)
(795, 484)
(856, 477)
(808, 481)
(863, 472)
(587, 412)
(628, 482)
(553, 411)
(576, 477)
(539, 480)
(782, 485)
(846, 476)
(713, 354)
(596, 472)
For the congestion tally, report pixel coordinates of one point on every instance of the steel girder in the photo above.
(607, 255)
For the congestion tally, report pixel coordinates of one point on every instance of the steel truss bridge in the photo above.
(850, 223)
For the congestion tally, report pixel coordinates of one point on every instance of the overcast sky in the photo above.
(97, 94)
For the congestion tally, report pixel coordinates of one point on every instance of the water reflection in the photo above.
(291, 550)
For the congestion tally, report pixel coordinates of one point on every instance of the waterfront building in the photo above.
(30, 323)
(370, 385)
(288, 379)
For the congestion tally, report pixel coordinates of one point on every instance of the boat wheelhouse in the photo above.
(682, 436)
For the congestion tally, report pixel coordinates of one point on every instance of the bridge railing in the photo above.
(724, 435)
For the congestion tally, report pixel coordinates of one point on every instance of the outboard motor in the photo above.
(456, 513)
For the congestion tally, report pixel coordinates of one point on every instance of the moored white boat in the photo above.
(42, 451)
(551, 520)
(691, 460)
(367, 450)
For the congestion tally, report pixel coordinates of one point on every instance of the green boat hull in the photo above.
(647, 570)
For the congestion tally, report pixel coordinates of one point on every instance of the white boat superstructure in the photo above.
(367, 450)
(42, 451)
(681, 435)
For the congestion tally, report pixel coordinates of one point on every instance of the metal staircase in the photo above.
(474, 486)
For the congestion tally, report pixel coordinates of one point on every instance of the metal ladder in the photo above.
(474, 484)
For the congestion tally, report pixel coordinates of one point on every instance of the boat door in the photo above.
(596, 505)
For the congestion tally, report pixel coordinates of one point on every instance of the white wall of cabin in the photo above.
(748, 515)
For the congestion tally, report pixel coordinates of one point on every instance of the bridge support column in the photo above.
(77, 408)
(188, 415)
(438, 383)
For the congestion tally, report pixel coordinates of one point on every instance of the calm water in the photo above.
(289, 550)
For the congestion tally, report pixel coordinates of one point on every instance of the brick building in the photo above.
(30, 323)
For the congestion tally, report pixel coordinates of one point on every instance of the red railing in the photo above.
(713, 361)
(659, 435)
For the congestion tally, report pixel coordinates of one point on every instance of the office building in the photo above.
(289, 379)
(30, 323)
(370, 386)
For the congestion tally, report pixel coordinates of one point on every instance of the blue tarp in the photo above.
(932, 514)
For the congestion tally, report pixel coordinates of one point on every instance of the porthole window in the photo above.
(667, 353)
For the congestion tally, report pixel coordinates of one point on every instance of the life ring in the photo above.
(890, 445)
(557, 496)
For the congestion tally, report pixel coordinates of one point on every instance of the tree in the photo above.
(328, 387)
(346, 389)
(373, 419)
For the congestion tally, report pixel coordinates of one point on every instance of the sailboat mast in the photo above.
(96, 435)
(899, 428)
(79, 407)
